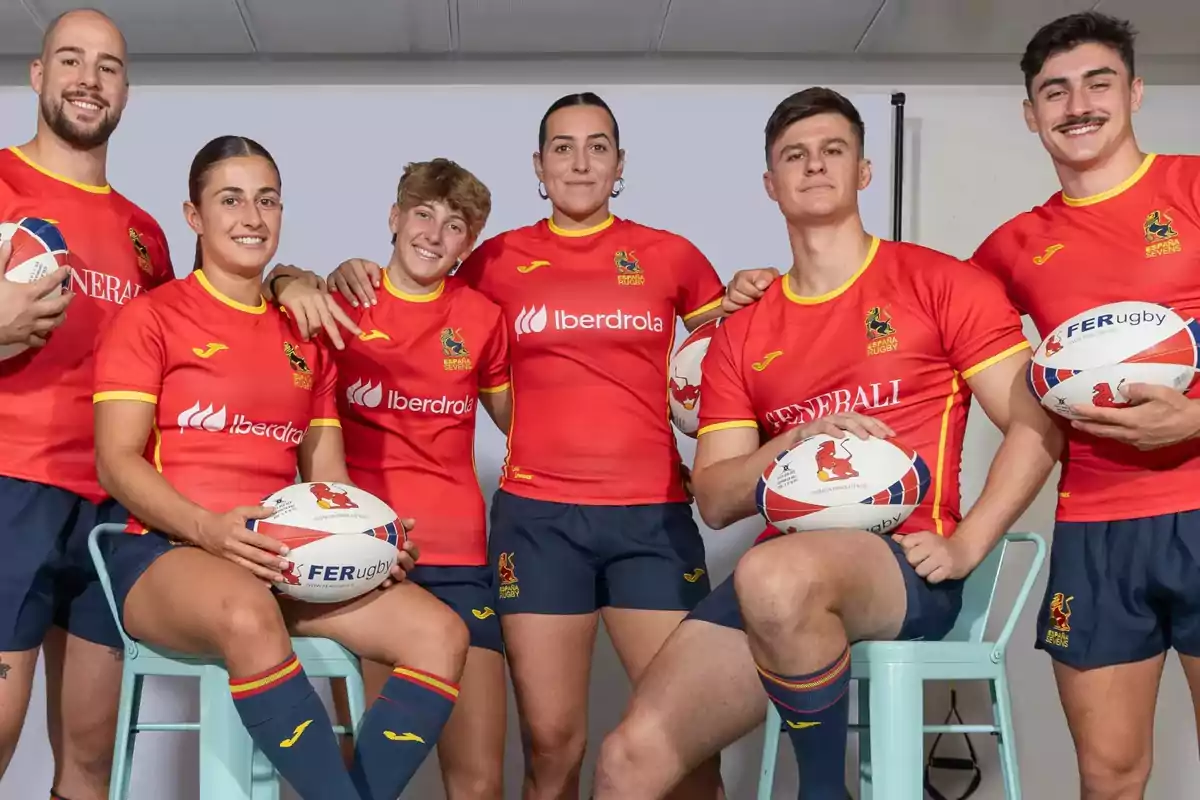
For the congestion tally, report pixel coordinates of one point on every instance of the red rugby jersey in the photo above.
(407, 390)
(896, 342)
(236, 390)
(1138, 241)
(591, 317)
(116, 250)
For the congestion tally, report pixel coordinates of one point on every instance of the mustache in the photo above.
(1085, 119)
(91, 98)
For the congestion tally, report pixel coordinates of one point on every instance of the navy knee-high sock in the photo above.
(289, 724)
(399, 730)
(816, 709)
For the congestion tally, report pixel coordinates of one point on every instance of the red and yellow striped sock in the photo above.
(816, 708)
(289, 724)
(399, 730)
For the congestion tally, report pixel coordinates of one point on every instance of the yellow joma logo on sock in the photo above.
(799, 726)
(403, 737)
(296, 734)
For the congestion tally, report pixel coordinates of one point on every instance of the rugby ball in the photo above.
(685, 377)
(1093, 355)
(38, 248)
(342, 541)
(823, 482)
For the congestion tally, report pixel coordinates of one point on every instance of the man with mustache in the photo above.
(1124, 584)
(50, 599)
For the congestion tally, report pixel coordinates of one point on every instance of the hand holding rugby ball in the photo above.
(38, 249)
(1092, 356)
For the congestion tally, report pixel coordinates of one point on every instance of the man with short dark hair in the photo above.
(1124, 584)
(50, 596)
(805, 360)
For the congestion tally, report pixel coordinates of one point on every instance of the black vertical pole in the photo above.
(897, 165)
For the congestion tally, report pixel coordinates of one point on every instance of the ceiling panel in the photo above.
(350, 26)
(557, 26)
(767, 26)
(1173, 29)
(168, 26)
(19, 34)
(944, 28)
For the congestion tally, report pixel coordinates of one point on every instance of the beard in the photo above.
(74, 135)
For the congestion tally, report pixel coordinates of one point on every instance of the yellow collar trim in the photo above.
(555, 229)
(202, 279)
(106, 189)
(812, 301)
(1116, 190)
(413, 298)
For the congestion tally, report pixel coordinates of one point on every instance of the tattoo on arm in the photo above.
(4, 668)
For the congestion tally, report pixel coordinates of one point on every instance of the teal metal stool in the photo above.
(891, 678)
(231, 767)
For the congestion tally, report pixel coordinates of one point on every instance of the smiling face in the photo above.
(430, 239)
(1082, 103)
(239, 214)
(817, 169)
(579, 162)
(80, 79)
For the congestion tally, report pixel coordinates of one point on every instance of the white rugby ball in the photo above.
(686, 376)
(342, 541)
(824, 482)
(1093, 355)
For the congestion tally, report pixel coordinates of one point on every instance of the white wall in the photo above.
(970, 166)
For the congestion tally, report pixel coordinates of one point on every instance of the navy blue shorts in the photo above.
(471, 592)
(930, 614)
(128, 556)
(46, 575)
(1122, 591)
(562, 558)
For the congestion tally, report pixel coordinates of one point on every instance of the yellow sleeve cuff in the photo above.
(141, 397)
(720, 426)
(987, 362)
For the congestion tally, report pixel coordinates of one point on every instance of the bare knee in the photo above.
(1112, 774)
(248, 624)
(781, 594)
(634, 758)
(435, 640)
(555, 749)
(89, 747)
(474, 782)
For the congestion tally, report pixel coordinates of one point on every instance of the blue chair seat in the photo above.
(891, 676)
(231, 767)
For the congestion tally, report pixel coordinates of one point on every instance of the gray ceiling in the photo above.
(469, 28)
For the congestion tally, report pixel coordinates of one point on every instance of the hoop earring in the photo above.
(542, 191)
(620, 187)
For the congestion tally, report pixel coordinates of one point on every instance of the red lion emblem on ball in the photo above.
(831, 466)
(328, 497)
(290, 576)
(686, 394)
(1104, 396)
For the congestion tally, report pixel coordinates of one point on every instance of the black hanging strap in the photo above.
(950, 762)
